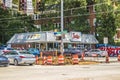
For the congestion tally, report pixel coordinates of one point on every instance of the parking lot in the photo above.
(102, 71)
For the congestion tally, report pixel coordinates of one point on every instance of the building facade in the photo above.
(51, 40)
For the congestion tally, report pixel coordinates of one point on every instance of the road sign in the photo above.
(105, 40)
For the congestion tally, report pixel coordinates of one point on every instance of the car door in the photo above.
(91, 52)
(13, 55)
(8, 55)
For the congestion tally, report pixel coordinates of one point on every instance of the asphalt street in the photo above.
(102, 71)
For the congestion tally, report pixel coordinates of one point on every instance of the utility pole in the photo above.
(62, 44)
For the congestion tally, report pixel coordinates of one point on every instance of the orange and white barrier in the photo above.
(75, 59)
(49, 60)
(61, 59)
(44, 60)
(119, 57)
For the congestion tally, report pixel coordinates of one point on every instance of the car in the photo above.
(5, 49)
(20, 57)
(34, 51)
(4, 61)
(97, 52)
(73, 51)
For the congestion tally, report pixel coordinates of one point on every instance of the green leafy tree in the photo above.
(105, 25)
(14, 23)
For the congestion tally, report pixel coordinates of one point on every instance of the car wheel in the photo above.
(15, 62)
(86, 55)
(99, 55)
(30, 64)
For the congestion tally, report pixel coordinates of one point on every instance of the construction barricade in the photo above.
(44, 60)
(68, 58)
(61, 59)
(49, 60)
(75, 59)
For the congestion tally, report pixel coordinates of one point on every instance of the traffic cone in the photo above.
(119, 57)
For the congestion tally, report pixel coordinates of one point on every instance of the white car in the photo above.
(96, 52)
(20, 57)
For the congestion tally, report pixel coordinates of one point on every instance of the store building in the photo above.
(51, 40)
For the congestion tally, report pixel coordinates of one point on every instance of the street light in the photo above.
(62, 45)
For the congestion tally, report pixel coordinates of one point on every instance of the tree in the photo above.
(3, 24)
(11, 24)
(79, 21)
(105, 23)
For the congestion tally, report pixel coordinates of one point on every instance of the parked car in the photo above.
(4, 61)
(20, 57)
(96, 52)
(5, 49)
(73, 51)
(34, 51)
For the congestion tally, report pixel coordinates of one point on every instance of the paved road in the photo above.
(103, 71)
(101, 59)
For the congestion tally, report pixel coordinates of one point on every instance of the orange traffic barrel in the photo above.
(44, 60)
(37, 61)
(61, 59)
(75, 59)
(49, 60)
(119, 57)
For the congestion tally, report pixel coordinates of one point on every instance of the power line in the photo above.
(81, 14)
(54, 11)
(14, 18)
(66, 16)
(78, 7)
(13, 29)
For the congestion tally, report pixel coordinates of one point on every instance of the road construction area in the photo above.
(100, 71)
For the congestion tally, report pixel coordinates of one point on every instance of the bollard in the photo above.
(82, 55)
(37, 59)
(56, 53)
(41, 54)
(107, 59)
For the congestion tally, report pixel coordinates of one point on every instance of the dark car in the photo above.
(73, 51)
(4, 61)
